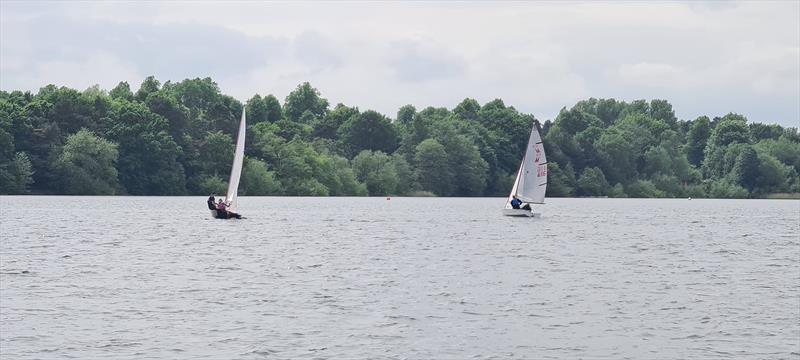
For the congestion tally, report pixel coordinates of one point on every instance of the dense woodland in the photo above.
(177, 139)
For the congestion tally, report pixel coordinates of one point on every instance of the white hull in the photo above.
(521, 212)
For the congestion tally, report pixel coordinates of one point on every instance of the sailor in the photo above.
(515, 203)
(210, 202)
(221, 206)
(224, 213)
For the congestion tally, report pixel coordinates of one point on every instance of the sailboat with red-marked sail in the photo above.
(531, 182)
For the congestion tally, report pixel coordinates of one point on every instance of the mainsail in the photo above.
(236, 168)
(531, 183)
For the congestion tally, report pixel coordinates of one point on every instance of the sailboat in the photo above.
(531, 182)
(231, 198)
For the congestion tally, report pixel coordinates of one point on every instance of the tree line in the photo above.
(178, 139)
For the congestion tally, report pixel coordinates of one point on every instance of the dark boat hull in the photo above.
(218, 215)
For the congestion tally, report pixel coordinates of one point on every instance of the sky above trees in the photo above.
(707, 58)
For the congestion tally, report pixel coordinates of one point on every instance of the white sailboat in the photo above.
(231, 198)
(531, 183)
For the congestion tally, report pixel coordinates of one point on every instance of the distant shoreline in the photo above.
(777, 196)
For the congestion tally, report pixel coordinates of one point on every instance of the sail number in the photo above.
(541, 170)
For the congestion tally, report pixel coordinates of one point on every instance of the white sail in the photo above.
(513, 188)
(531, 183)
(236, 168)
(533, 175)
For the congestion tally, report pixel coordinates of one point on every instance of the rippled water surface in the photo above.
(406, 278)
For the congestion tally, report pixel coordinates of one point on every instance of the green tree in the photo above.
(406, 114)
(266, 109)
(290, 130)
(465, 160)
(257, 180)
(216, 153)
(419, 129)
(122, 91)
(266, 143)
(368, 131)
(328, 126)
(377, 171)
(304, 98)
(305, 172)
(617, 191)
(174, 137)
(773, 176)
(783, 149)
(697, 139)
(763, 131)
(585, 142)
(406, 178)
(432, 167)
(199, 95)
(177, 115)
(574, 121)
(617, 157)
(273, 108)
(149, 86)
(641, 131)
(349, 184)
(592, 182)
(468, 109)
(512, 130)
(148, 155)
(86, 165)
(68, 109)
(669, 185)
(16, 175)
(562, 147)
(662, 110)
(213, 184)
(636, 107)
(256, 110)
(746, 169)
(723, 189)
(560, 182)
(729, 130)
(643, 189)
(657, 161)
(607, 110)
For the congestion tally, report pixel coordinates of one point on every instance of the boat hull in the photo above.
(215, 216)
(520, 212)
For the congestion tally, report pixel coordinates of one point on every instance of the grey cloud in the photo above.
(736, 56)
(415, 62)
(316, 51)
(173, 51)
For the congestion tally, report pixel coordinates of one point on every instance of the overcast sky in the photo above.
(706, 58)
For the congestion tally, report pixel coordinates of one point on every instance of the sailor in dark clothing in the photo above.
(515, 203)
(224, 213)
(211, 204)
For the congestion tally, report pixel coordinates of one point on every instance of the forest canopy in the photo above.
(178, 139)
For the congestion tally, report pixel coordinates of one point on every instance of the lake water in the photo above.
(406, 278)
